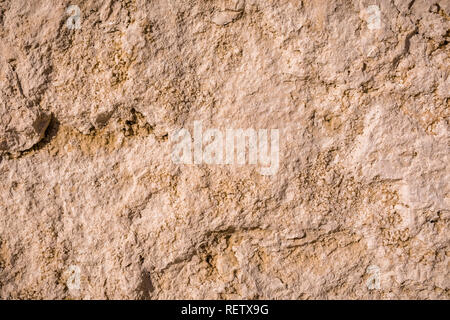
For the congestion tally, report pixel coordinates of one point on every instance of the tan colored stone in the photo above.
(92, 205)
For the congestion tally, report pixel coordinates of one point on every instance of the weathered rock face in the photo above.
(93, 205)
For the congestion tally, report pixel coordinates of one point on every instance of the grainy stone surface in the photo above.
(92, 205)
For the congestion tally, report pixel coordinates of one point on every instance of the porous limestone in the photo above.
(92, 205)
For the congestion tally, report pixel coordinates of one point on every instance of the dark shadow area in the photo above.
(146, 287)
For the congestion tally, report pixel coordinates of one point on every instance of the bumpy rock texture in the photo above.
(92, 205)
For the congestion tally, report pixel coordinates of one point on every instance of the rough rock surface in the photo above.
(92, 205)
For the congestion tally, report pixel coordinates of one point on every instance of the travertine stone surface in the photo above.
(93, 206)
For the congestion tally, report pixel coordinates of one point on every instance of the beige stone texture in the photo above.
(93, 207)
